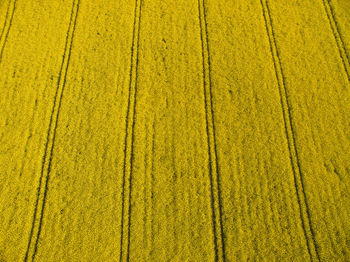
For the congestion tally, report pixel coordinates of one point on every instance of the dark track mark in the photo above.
(210, 171)
(337, 26)
(291, 148)
(44, 160)
(203, 27)
(6, 17)
(10, 24)
(132, 131)
(336, 32)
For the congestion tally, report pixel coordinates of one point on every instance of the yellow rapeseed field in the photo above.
(188, 130)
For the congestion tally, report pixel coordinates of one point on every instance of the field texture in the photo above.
(188, 130)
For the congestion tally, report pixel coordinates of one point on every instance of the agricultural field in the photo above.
(188, 130)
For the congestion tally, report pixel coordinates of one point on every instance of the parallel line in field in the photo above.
(289, 131)
(214, 174)
(337, 35)
(129, 137)
(50, 139)
(7, 26)
(6, 18)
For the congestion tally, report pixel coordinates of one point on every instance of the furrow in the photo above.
(129, 139)
(7, 26)
(48, 152)
(287, 117)
(337, 36)
(214, 178)
(6, 18)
